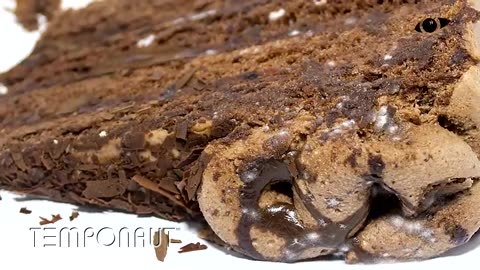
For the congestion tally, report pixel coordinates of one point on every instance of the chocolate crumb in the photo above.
(161, 245)
(74, 215)
(25, 211)
(54, 219)
(192, 247)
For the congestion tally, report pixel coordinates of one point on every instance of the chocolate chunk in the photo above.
(25, 211)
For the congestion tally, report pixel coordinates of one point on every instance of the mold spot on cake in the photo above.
(202, 15)
(332, 203)
(319, 2)
(416, 228)
(211, 52)
(102, 134)
(3, 90)
(146, 41)
(277, 14)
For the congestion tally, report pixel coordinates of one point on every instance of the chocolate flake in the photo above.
(161, 244)
(175, 241)
(194, 176)
(25, 211)
(74, 215)
(185, 78)
(192, 247)
(150, 185)
(181, 130)
(54, 219)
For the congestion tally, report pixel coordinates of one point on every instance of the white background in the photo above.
(17, 249)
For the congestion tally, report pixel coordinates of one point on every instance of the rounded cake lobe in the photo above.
(451, 222)
(242, 202)
(426, 165)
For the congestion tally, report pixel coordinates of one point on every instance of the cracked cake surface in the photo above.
(295, 129)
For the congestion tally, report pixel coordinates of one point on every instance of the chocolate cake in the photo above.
(295, 129)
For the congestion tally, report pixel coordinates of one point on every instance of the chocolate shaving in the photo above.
(191, 157)
(185, 78)
(19, 161)
(150, 185)
(54, 219)
(192, 247)
(181, 130)
(74, 215)
(25, 211)
(161, 245)
(175, 241)
(194, 176)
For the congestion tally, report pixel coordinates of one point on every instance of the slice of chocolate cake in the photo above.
(296, 129)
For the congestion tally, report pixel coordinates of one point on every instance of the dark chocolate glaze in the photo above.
(281, 219)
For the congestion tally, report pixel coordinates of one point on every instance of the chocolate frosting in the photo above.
(281, 218)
